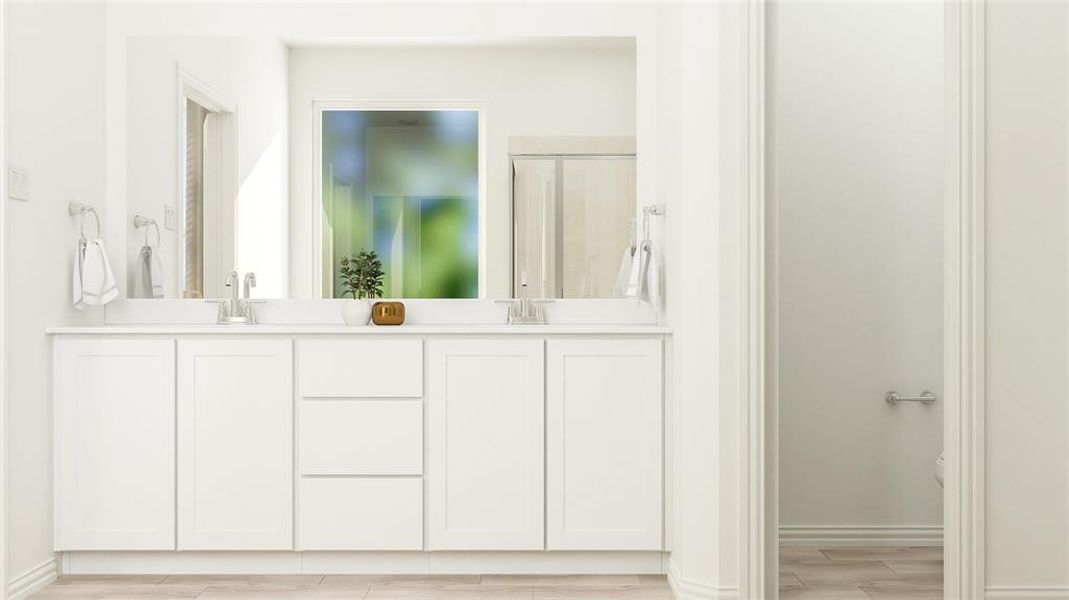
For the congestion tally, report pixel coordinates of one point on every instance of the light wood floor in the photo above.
(450, 587)
(879, 572)
(887, 573)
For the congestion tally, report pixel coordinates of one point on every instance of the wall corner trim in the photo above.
(964, 288)
(687, 589)
(758, 573)
(32, 581)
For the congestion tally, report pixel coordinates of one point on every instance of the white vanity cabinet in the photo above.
(362, 440)
(604, 457)
(235, 444)
(114, 446)
(486, 457)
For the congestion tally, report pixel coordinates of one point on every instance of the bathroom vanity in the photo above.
(453, 443)
(314, 439)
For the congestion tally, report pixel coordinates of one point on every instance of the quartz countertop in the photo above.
(341, 329)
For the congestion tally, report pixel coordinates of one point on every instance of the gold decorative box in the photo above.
(388, 313)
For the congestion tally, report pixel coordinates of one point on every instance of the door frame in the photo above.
(3, 302)
(220, 183)
(964, 313)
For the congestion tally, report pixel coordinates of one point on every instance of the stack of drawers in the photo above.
(360, 444)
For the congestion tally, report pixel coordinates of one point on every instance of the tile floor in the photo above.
(888, 573)
(464, 587)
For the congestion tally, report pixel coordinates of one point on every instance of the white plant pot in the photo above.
(356, 312)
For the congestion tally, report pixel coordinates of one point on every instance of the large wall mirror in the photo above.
(468, 177)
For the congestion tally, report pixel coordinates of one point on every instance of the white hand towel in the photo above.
(648, 283)
(652, 280)
(98, 280)
(76, 278)
(634, 275)
(150, 274)
(623, 276)
(156, 268)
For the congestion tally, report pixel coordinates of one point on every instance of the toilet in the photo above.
(940, 464)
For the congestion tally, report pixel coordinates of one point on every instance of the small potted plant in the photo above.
(361, 278)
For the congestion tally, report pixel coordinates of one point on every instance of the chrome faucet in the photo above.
(232, 283)
(235, 309)
(525, 310)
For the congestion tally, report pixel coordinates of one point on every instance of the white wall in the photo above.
(524, 91)
(855, 168)
(1028, 298)
(55, 107)
(248, 73)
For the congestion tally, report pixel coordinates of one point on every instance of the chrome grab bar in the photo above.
(893, 398)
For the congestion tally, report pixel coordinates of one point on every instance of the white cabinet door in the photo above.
(114, 461)
(485, 444)
(604, 451)
(235, 444)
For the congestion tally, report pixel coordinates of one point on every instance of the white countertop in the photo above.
(321, 329)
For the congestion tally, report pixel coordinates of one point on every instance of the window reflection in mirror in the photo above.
(404, 183)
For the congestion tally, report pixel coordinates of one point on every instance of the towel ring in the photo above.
(80, 209)
(143, 221)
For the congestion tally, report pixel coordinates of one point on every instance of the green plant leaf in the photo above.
(362, 274)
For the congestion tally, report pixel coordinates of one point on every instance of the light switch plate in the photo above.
(18, 183)
(170, 218)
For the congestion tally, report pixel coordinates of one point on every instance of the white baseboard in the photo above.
(686, 589)
(32, 581)
(1027, 593)
(362, 563)
(795, 535)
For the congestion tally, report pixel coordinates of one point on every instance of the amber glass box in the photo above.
(388, 313)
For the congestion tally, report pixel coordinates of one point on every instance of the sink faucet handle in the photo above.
(511, 307)
(250, 282)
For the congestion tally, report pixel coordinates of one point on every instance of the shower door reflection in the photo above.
(573, 223)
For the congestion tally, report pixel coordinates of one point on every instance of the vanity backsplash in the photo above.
(616, 311)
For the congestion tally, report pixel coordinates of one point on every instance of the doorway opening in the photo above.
(205, 211)
(855, 185)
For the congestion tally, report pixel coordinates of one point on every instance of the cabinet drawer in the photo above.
(361, 437)
(364, 368)
(360, 513)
